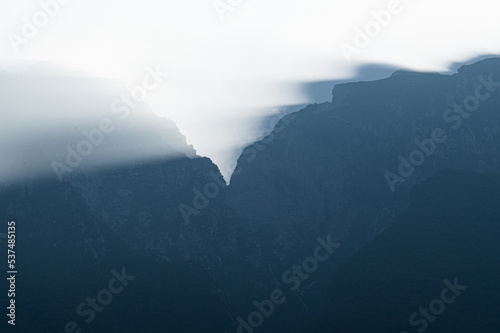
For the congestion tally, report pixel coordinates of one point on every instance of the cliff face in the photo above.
(345, 168)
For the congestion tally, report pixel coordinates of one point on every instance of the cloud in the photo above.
(227, 71)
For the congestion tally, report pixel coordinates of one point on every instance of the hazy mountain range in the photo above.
(342, 218)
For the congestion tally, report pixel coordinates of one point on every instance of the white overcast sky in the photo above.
(224, 74)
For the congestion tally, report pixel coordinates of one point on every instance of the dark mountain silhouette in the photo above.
(322, 171)
(203, 252)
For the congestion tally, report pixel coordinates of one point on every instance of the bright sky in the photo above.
(230, 66)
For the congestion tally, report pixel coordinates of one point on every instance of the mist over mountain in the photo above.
(330, 186)
(80, 122)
